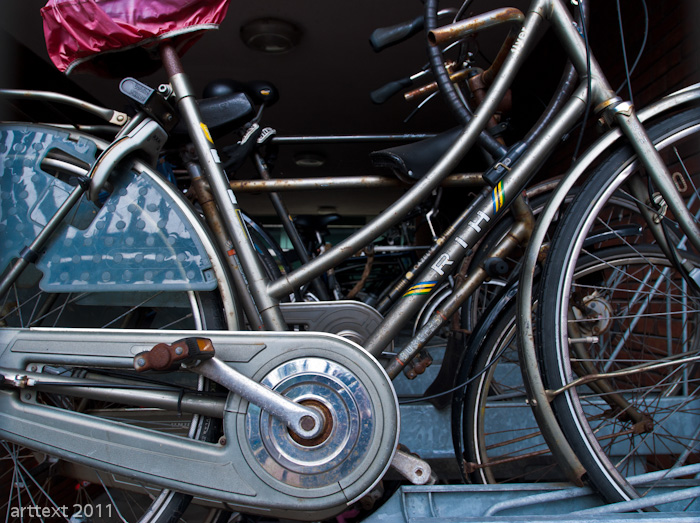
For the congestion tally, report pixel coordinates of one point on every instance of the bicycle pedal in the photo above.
(187, 352)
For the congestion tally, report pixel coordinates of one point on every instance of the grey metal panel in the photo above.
(470, 503)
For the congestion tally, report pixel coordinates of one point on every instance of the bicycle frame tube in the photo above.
(600, 94)
(223, 195)
(395, 212)
(267, 293)
(288, 226)
(486, 206)
(628, 122)
(514, 181)
(486, 209)
(343, 182)
(573, 42)
(518, 234)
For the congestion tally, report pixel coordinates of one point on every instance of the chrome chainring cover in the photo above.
(349, 425)
(360, 410)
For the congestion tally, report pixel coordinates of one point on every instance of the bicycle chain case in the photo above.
(258, 467)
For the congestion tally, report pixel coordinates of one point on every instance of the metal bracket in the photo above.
(152, 101)
(148, 137)
(610, 108)
(412, 468)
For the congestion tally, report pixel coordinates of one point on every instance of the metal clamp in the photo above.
(412, 468)
(612, 107)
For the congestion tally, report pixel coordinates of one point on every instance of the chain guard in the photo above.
(258, 467)
(352, 320)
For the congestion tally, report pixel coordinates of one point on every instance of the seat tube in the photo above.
(223, 195)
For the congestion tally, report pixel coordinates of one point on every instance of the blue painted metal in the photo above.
(28, 195)
(137, 240)
(471, 504)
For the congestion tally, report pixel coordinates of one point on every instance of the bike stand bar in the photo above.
(645, 502)
(585, 491)
(471, 503)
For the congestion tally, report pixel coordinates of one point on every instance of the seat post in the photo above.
(223, 195)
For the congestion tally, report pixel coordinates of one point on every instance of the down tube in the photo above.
(487, 208)
(399, 209)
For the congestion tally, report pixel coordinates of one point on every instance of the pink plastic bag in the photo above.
(79, 33)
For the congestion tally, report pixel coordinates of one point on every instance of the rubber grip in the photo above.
(387, 36)
(382, 94)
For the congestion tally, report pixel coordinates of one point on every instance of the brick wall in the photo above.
(671, 57)
(670, 61)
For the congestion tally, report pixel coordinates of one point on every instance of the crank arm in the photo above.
(197, 355)
(228, 471)
(304, 421)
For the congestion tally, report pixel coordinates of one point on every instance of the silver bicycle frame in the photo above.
(484, 210)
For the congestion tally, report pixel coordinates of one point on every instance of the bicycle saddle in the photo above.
(221, 114)
(411, 161)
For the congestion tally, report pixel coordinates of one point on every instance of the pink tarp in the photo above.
(78, 30)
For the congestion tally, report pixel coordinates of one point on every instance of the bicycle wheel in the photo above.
(494, 430)
(498, 433)
(633, 321)
(32, 479)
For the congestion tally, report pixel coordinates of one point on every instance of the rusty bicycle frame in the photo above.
(488, 205)
(260, 297)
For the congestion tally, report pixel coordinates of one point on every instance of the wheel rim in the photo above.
(632, 423)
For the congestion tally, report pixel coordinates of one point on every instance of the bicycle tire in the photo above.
(617, 436)
(499, 448)
(179, 310)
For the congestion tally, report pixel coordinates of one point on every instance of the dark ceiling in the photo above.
(324, 82)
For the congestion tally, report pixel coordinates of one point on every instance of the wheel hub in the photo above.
(597, 317)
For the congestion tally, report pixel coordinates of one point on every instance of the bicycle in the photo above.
(281, 457)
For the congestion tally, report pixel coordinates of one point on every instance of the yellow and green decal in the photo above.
(497, 197)
(423, 287)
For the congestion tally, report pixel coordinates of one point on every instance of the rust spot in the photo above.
(452, 32)
(327, 425)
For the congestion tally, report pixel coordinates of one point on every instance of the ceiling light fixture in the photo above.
(309, 160)
(270, 35)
